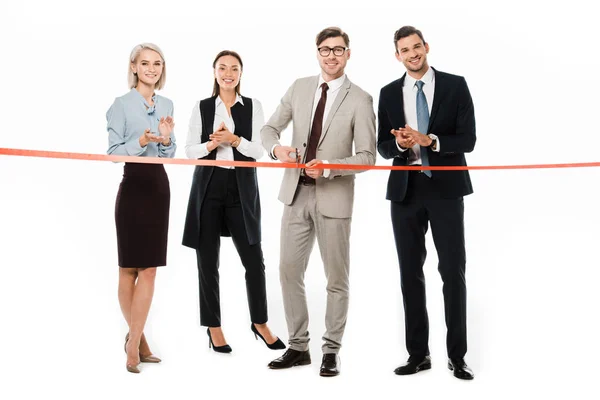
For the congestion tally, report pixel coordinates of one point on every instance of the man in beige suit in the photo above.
(329, 115)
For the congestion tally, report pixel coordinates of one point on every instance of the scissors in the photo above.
(297, 153)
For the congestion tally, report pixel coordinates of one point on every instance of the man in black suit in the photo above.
(427, 118)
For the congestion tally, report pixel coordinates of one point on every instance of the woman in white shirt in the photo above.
(224, 201)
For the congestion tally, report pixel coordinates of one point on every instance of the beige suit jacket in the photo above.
(351, 121)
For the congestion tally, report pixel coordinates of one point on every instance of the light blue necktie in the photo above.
(423, 123)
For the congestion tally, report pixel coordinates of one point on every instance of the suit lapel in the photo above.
(397, 105)
(438, 95)
(307, 113)
(344, 90)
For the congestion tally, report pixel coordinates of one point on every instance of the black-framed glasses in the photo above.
(337, 51)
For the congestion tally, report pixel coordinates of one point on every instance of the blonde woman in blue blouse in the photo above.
(140, 123)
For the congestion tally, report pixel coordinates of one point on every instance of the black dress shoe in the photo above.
(277, 345)
(414, 365)
(460, 368)
(330, 366)
(219, 349)
(291, 358)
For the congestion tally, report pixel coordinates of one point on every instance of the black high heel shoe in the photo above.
(277, 345)
(219, 349)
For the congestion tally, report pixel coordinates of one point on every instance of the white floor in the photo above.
(531, 279)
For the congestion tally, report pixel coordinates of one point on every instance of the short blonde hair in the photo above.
(132, 78)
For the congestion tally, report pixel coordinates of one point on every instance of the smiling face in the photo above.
(332, 65)
(412, 52)
(228, 72)
(148, 66)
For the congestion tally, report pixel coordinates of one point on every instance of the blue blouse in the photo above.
(128, 118)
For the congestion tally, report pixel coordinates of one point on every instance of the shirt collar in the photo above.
(139, 95)
(238, 99)
(334, 84)
(409, 81)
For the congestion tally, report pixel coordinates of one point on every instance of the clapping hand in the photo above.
(222, 135)
(149, 137)
(165, 127)
(407, 137)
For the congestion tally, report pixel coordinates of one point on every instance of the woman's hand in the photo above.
(165, 127)
(149, 137)
(223, 135)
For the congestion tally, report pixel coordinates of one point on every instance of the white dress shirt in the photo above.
(409, 93)
(194, 148)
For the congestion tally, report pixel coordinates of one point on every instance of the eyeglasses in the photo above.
(337, 51)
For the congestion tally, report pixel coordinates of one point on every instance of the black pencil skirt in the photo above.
(142, 216)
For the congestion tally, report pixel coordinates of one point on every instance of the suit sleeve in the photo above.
(364, 140)
(464, 139)
(271, 131)
(386, 142)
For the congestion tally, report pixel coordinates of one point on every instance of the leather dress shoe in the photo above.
(330, 366)
(414, 365)
(460, 368)
(291, 358)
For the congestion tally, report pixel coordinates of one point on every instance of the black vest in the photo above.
(245, 176)
(242, 118)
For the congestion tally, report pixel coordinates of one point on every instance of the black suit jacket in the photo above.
(245, 176)
(452, 119)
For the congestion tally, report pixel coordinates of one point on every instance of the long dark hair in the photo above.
(221, 54)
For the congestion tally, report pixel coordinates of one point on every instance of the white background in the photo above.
(532, 235)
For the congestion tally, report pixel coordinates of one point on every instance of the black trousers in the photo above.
(221, 205)
(410, 222)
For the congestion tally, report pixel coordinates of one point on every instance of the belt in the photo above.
(306, 181)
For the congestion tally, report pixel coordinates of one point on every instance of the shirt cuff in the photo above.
(326, 172)
(244, 145)
(134, 148)
(166, 147)
(271, 153)
(399, 148)
(437, 145)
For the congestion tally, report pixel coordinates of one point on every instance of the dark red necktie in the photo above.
(317, 127)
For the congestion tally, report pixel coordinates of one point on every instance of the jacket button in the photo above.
(304, 144)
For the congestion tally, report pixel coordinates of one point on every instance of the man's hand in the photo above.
(409, 133)
(403, 142)
(282, 153)
(313, 172)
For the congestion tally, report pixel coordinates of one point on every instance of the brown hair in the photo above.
(222, 54)
(332, 32)
(406, 31)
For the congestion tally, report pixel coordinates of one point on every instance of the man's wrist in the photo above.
(273, 151)
(434, 141)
